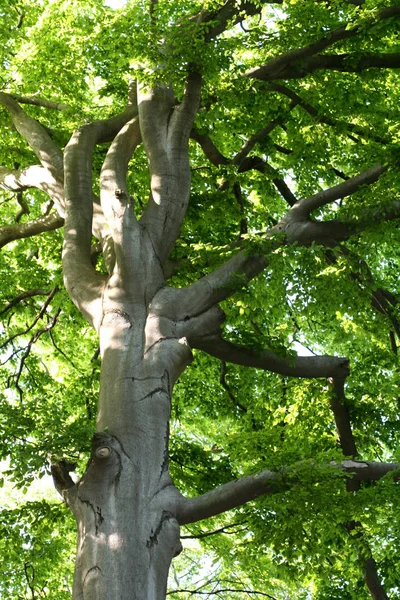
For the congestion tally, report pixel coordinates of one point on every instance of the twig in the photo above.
(53, 341)
(36, 319)
(23, 296)
(28, 348)
(30, 580)
(216, 531)
(222, 380)
(221, 591)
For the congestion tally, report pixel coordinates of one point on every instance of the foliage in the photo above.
(228, 420)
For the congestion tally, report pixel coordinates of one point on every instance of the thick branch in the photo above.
(278, 66)
(231, 13)
(9, 233)
(295, 227)
(299, 366)
(372, 579)
(51, 178)
(165, 130)
(304, 207)
(34, 101)
(346, 63)
(115, 199)
(63, 482)
(340, 411)
(83, 283)
(36, 136)
(210, 150)
(221, 283)
(33, 177)
(239, 492)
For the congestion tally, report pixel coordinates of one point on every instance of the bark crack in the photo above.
(95, 515)
(99, 518)
(164, 466)
(153, 539)
(93, 570)
(150, 394)
(161, 339)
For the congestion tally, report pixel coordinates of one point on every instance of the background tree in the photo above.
(225, 174)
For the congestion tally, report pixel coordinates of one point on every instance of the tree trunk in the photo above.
(125, 504)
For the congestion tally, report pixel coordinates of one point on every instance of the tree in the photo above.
(240, 204)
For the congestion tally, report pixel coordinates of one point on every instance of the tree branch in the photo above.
(257, 163)
(222, 591)
(239, 492)
(115, 199)
(165, 130)
(295, 227)
(223, 382)
(316, 114)
(339, 408)
(49, 154)
(204, 534)
(303, 207)
(27, 349)
(241, 159)
(9, 233)
(346, 63)
(35, 176)
(83, 283)
(299, 366)
(63, 482)
(34, 101)
(230, 13)
(278, 66)
(210, 150)
(21, 297)
(41, 313)
(257, 137)
(338, 404)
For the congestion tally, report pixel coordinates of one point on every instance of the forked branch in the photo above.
(114, 194)
(165, 129)
(83, 283)
(290, 62)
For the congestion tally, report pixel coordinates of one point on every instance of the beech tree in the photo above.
(221, 181)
